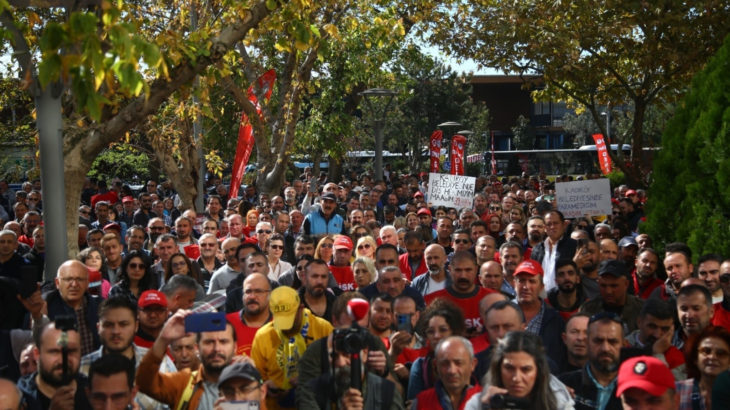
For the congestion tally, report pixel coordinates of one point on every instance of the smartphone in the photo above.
(240, 405)
(205, 322)
(404, 322)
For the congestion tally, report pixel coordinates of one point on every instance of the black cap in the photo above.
(242, 370)
(329, 195)
(612, 267)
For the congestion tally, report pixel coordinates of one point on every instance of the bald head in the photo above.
(490, 275)
(435, 256)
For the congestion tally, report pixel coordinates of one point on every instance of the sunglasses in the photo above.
(137, 265)
(267, 231)
(464, 241)
(325, 245)
(276, 246)
(364, 246)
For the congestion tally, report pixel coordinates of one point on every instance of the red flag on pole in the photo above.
(603, 158)
(435, 150)
(245, 131)
(458, 142)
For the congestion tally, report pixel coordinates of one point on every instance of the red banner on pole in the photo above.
(603, 158)
(458, 142)
(435, 150)
(245, 131)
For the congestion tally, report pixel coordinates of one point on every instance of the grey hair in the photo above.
(461, 339)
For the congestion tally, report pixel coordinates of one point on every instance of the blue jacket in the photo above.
(316, 224)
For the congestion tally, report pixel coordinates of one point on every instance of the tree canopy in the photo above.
(591, 55)
(689, 199)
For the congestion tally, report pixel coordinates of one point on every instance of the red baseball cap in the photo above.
(343, 242)
(424, 211)
(530, 267)
(152, 298)
(630, 192)
(113, 225)
(646, 373)
(127, 199)
(417, 194)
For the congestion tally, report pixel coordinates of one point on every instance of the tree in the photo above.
(590, 54)
(689, 199)
(117, 64)
(524, 135)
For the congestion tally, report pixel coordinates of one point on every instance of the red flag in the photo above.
(603, 158)
(245, 131)
(435, 150)
(457, 154)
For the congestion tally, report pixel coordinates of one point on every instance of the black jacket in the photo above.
(566, 249)
(57, 306)
(586, 392)
(32, 395)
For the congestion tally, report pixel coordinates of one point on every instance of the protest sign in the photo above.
(451, 191)
(580, 198)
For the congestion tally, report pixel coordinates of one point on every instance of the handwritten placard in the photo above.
(580, 198)
(451, 191)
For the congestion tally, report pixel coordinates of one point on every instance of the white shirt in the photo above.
(548, 265)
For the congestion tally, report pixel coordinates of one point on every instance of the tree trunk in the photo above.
(334, 173)
(76, 166)
(183, 173)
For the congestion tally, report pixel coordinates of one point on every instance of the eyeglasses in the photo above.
(77, 280)
(230, 391)
(364, 246)
(267, 231)
(276, 247)
(495, 208)
(325, 245)
(464, 241)
(606, 316)
(136, 266)
(257, 292)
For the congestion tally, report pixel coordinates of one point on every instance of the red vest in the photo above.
(405, 267)
(344, 277)
(244, 333)
(470, 306)
(428, 399)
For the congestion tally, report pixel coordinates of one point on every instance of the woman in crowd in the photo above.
(412, 221)
(709, 356)
(94, 261)
(136, 277)
(324, 248)
(519, 369)
(517, 215)
(441, 319)
(274, 250)
(364, 271)
(179, 264)
(252, 218)
(365, 247)
(495, 228)
(358, 231)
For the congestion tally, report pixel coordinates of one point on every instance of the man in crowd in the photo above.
(455, 363)
(485, 248)
(568, 296)
(535, 231)
(184, 233)
(111, 378)
(694, 307)
(290, 320)
(677, 263)
(52, 386)
(207, 262)
(225, 274)
(444, 228)
(614, 297)
(556, 246)
(314, 293)
(135, 238)
(464, 291)
(575, 338)
(112, 248)
(324, 220)
(165, 247)
(708, 271)
(655, 334)
(180, 292)
(510, 256)
(143, 215)
(412, 263)
(646, 383)
(595, 384)
(645, 280)
(721, 317)
(255, 313)
(185, 354)
(340, 266)
(216, 352)
(235, 226)
(608, 249)
(151, 313)
(241, 384)
(437, 277)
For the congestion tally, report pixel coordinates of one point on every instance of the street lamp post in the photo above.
(378, 121)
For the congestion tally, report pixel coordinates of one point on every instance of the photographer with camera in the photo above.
(342, 369)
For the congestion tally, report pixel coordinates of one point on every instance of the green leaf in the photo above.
(49, 69)
(271, 5)
(53, 37)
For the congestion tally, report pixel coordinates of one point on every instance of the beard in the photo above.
(568, 287)
(315, 291)
(51, 379)
(604, 367)
(535, 236)
(590, 268)
(215, 368)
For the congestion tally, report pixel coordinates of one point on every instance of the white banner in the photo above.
(579, 198)
(451, 191)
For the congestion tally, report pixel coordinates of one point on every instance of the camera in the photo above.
(350, 340)
(502, 401)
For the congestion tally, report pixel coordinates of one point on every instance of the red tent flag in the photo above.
(435, 150)
(458, 144)
(245, 130)
(603, 158)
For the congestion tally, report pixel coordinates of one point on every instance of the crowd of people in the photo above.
(357, 294)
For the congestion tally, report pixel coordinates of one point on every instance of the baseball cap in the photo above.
(113, 225)
(530, 267)
(646, 373)
(329, 196)
(242, 370)
(127, 199)
(612, 267)
(630, 192)
(152, 298)
(424, 211)
(627, 241)
(284, 304)
(343, 242)
(417, 194)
